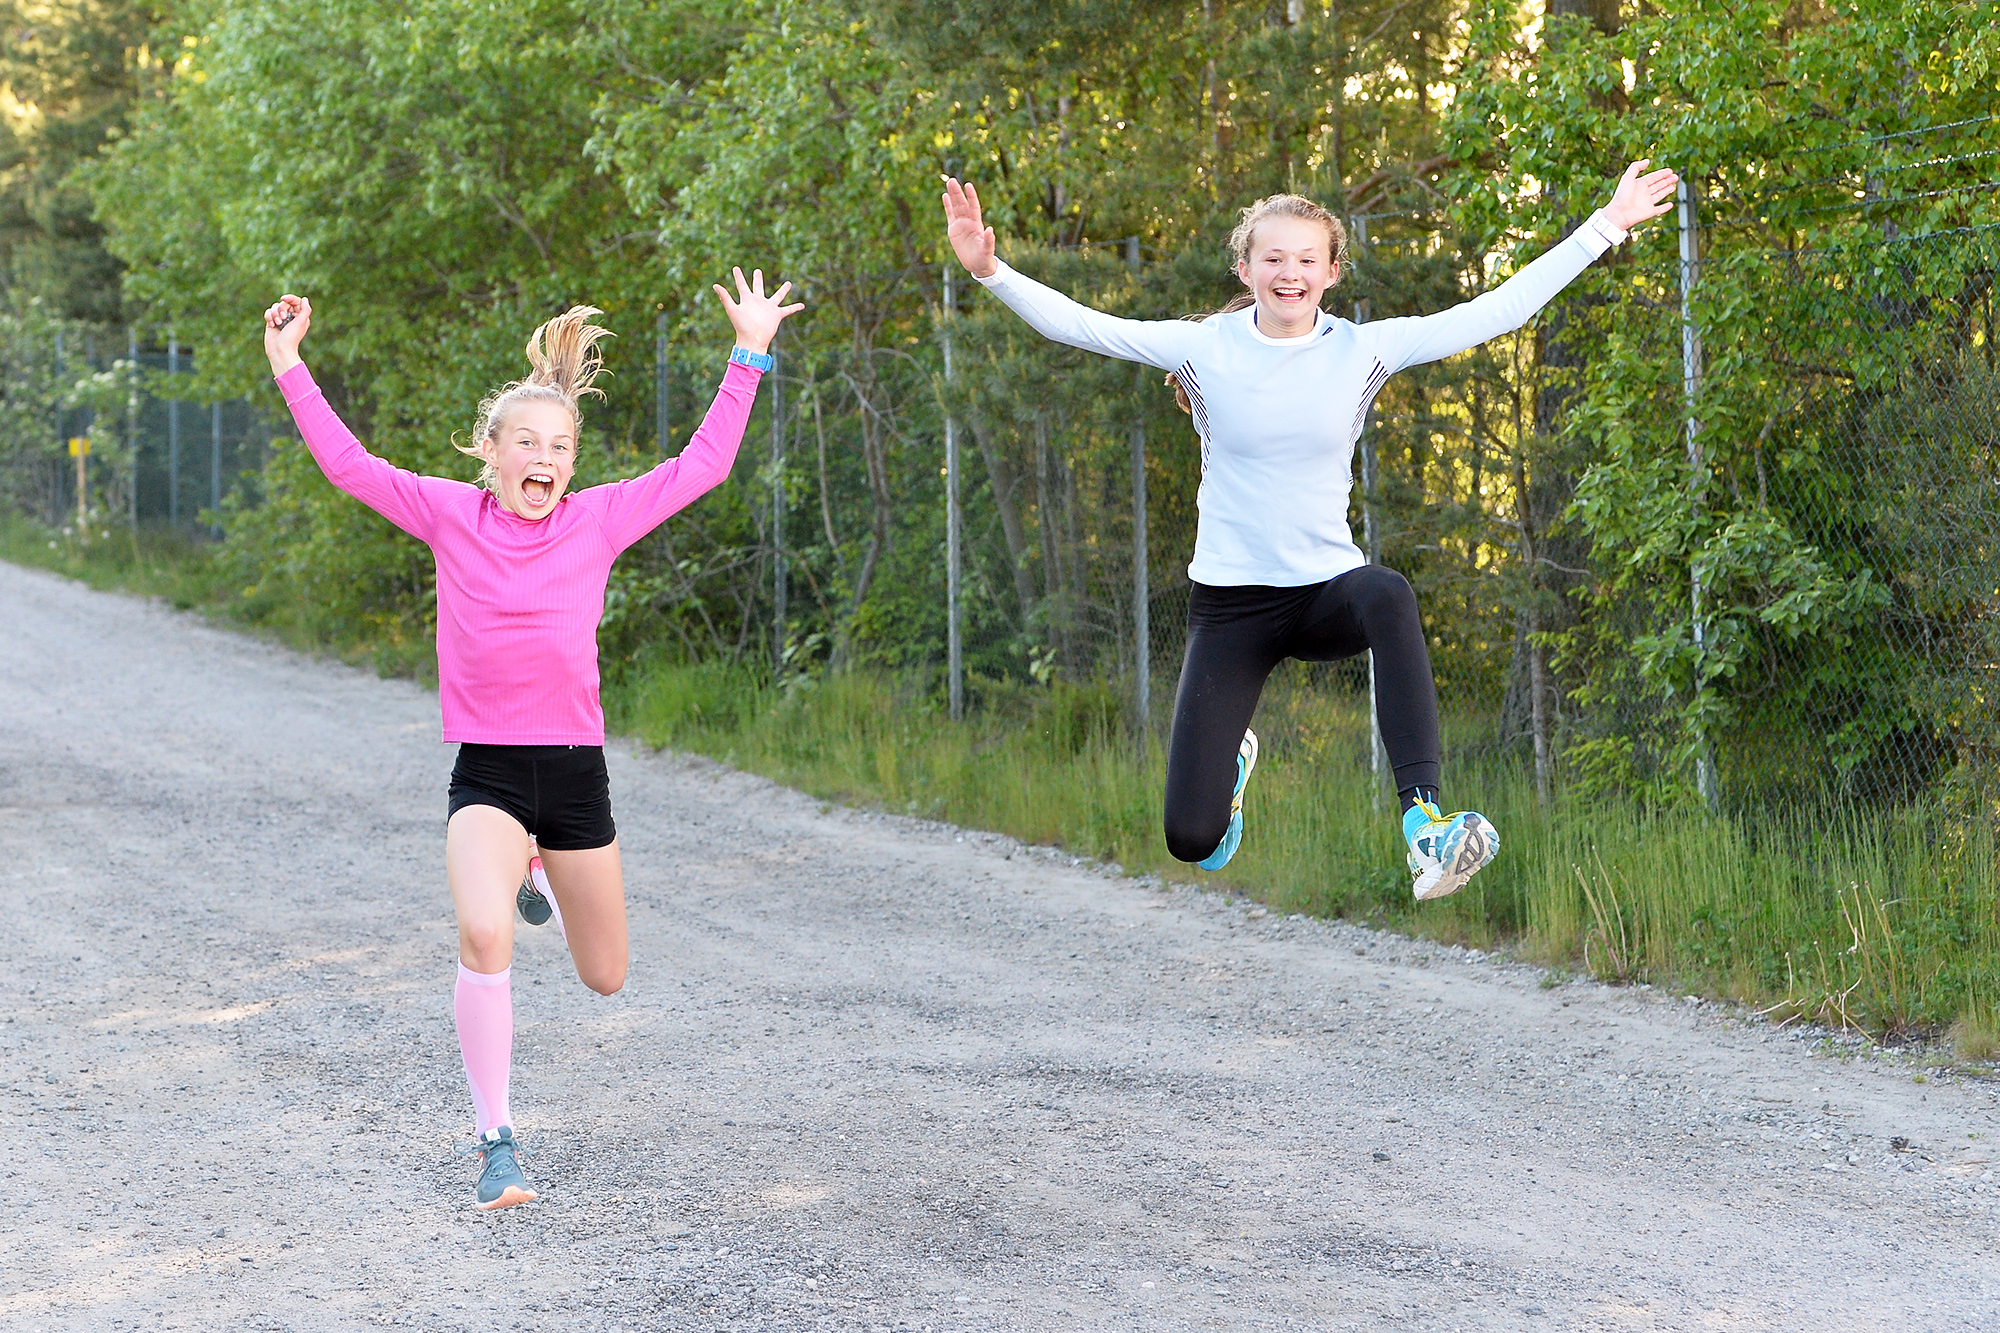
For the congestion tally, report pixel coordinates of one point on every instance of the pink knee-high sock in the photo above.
(484, 1005)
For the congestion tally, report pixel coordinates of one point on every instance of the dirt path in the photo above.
(868, 1074)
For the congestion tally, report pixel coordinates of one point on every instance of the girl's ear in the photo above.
(1243, 272)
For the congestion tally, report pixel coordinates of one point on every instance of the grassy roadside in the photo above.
(1890, 924)
(189, 573)
(150, 562)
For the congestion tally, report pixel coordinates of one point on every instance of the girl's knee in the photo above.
(1380, 583)
(604, 978)
(1382, 593)
(485, 946)
(1194, 840)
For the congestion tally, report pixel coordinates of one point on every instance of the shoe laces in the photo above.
(483, 1145)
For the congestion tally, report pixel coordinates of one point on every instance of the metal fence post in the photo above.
(1142, 595)
(173, 431)
(779, 585)
(215, 458)
(1691, 373)
(62, 416)
(660, 381)
(953, 522)
(1378, 754)
(132, 425)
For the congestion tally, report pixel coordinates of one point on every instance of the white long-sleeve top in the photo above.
(1279, 417)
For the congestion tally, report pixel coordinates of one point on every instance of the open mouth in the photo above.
(537, 487)
(1289, 293)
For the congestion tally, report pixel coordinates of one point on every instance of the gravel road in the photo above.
(868, 1073)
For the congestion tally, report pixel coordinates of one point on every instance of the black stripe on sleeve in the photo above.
(1376, 379)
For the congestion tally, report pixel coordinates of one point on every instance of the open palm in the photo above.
(1641, 198)
(971, 239)
(755, 316)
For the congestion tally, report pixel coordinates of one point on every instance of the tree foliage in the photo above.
(70, 73)
(441, 177)
(1735, 593)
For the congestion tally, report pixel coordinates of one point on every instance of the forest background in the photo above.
(1713, 651)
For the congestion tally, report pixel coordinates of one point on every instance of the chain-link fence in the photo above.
(1722, 519)
(1717, 522)
(1827, 621)
(105, 435)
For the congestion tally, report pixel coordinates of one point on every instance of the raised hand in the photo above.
(756, 316)
(1641, 198)
(971, 238)
(286, 324)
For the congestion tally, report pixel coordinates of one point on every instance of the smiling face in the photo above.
(533, 451)
(1289, 268)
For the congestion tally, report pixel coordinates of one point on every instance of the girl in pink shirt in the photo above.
(521, 571)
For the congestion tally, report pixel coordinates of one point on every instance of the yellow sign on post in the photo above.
(79, 449)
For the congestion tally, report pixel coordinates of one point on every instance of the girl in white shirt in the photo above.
(1279, 392)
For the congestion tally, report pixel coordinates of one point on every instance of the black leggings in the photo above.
(1237, 637)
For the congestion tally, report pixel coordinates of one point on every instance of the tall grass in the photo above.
(191, 572)
(150, 561)
(1888, 923)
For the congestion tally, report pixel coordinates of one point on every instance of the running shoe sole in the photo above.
(509, 1197)
(1473, 848)
(1232, 836)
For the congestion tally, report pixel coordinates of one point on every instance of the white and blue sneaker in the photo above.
(1446, 850)
(1232, 837)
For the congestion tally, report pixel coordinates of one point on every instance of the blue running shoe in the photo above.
(501, 1182)
(1446, 850)
(1232, 838)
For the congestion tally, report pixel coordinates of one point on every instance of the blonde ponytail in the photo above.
(564, 365)
(564, 353)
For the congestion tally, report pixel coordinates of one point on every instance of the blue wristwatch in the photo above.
(743, 356)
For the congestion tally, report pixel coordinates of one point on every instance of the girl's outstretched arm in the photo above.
(1164, 343)
(1415, 340)
(630, 509)
(397, 494)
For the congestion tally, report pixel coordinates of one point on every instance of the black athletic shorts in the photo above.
(560, 793)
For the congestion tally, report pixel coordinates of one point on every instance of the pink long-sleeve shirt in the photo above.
(518, 600)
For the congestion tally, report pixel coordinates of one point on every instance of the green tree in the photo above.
(1722, 606)
(71, 72)
(420, 170)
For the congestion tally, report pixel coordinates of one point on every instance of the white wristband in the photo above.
(1610, 231)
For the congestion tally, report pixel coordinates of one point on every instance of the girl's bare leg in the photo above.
(485, 855)
(590, 892)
